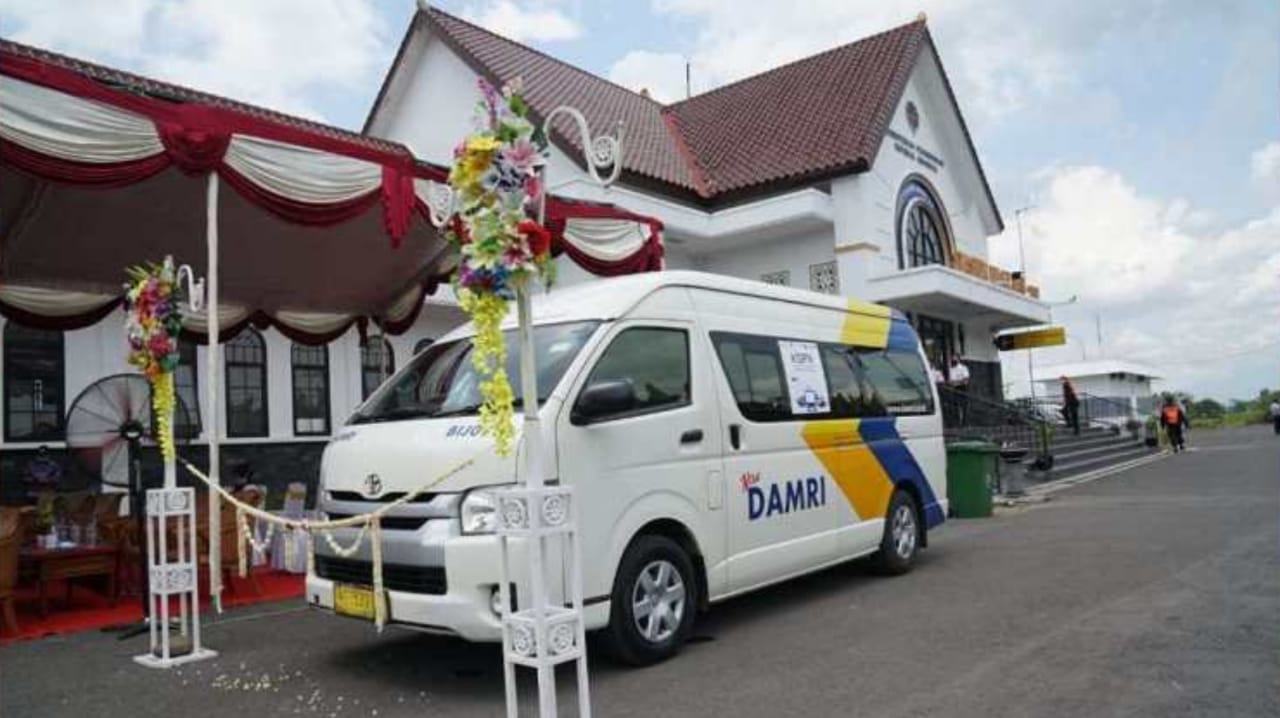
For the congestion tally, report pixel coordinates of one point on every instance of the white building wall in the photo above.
(790, 253)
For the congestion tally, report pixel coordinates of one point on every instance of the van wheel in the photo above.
(654, 601)
(901, 540)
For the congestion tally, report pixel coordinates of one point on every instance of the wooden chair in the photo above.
(231, 547)
(10, 542)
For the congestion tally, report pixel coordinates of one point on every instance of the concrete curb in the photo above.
(1054, 487)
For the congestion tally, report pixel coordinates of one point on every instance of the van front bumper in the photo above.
(465, 608)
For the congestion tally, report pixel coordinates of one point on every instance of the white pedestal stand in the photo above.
(172, 507)
(541, 636)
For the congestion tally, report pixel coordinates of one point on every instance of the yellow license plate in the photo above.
(355, 601)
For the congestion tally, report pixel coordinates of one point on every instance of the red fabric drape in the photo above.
(646, 259)
(63, 323)
(195, 137)
(106, 176)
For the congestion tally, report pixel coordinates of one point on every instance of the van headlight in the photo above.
(479, 512)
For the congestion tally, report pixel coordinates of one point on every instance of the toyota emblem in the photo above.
(372, 485)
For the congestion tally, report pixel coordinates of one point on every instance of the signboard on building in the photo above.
(1033, 339)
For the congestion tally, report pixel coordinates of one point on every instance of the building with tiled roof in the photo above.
(851, 171)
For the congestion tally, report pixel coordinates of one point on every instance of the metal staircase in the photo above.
(1038, 425)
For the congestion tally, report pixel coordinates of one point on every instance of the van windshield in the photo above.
(441, 381)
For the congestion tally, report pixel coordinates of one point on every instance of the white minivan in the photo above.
(721, 435)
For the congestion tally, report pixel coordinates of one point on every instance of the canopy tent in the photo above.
(324, 228)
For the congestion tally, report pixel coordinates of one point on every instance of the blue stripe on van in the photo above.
(881, 435)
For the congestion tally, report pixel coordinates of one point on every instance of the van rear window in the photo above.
(861, 381)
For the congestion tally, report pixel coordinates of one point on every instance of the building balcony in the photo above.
(961, 292)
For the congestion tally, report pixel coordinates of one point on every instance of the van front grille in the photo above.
(424, 498)
(395, 523)
(395, 577)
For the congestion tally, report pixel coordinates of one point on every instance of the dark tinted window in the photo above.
(310, 390)
(755, 374)
(186, 423)
(377, 362)
(246, 369)
(861, 382)
(656, 363)
(34, 373)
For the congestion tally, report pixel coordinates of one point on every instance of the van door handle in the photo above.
(735, 436)
(692, 436)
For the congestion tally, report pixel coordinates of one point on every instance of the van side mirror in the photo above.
(603, 399)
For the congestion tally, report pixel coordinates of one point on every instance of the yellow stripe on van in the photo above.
(857, 471)
(866, 325)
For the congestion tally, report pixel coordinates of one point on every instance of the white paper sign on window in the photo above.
(805, 379)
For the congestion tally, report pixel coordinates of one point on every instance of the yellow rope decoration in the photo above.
(370, 523)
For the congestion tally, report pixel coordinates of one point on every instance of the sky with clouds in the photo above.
(1143, 136)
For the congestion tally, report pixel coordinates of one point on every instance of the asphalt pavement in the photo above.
(1153, 592)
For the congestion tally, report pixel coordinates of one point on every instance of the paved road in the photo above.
(1155, 592)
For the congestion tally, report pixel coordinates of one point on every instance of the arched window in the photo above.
(246, 369)
(34, 384)
(310, 390)
(922, 229)
(377, 362)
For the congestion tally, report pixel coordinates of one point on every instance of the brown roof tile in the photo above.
(650, 149)
(818, 115)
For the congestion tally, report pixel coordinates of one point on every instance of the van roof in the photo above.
(608, 299)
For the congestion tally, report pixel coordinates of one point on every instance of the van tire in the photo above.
(902, 535)
(660, 559)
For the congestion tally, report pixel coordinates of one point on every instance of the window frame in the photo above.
(643, 411)
(917, 199)
(227, 364)
(323, 370)
(389, 361)
(60, 430)
(193, 407)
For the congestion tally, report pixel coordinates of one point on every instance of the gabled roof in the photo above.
(817, 117)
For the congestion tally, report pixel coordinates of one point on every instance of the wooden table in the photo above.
(66, 564)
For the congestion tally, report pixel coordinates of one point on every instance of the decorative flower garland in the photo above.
(496, 187)
(152, 298)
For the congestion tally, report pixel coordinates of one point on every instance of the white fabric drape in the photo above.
(70, 128)
(312, 322)
(228, 315)
(52, 302)
(301, 173)
(608, 240)
(403, 306)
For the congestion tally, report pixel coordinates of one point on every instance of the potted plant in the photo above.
(1133, 426)
(1152, 437)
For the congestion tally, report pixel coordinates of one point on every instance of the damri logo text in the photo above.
(784, 497)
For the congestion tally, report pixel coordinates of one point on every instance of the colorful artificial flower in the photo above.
(495, 177)
(152, 297)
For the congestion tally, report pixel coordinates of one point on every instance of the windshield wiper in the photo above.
(473, 408)
(402, 412)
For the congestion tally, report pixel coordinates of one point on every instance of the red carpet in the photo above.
(89, 610)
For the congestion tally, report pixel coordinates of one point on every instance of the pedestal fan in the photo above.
(108, 425)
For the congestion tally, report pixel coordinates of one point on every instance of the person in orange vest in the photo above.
(1174, 420)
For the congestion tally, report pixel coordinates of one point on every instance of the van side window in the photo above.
(898, 379)
(754, 370)
(656, 363)
(852, 395)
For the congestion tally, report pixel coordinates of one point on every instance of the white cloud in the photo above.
(1167, 290)
(276, 53)
(1002, 55)
(1264, 168)
(661, 73)
(524, 23)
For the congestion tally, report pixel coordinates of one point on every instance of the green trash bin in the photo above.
(971, 477)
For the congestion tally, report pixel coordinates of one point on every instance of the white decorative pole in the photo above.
(173, 570)
(211, 369)
(540, 635)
